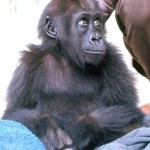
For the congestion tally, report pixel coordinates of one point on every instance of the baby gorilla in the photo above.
(74, 89)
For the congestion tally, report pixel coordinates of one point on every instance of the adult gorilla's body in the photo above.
(74, 88)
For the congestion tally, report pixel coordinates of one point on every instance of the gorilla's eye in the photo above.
(97, 22)
(83, 21)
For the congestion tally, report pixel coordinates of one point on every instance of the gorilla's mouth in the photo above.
(93, 51)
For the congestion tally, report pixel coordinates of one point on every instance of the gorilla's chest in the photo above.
(72, 82)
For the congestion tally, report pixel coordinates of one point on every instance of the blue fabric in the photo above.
(138, 139)
(15, 136)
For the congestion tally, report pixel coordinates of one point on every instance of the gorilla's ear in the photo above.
(49, 28)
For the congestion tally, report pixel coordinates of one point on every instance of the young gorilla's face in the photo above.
(88, 36)
(89, 31)
(80, 33)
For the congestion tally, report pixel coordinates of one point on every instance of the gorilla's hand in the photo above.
(46, 128)
(56, 139)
